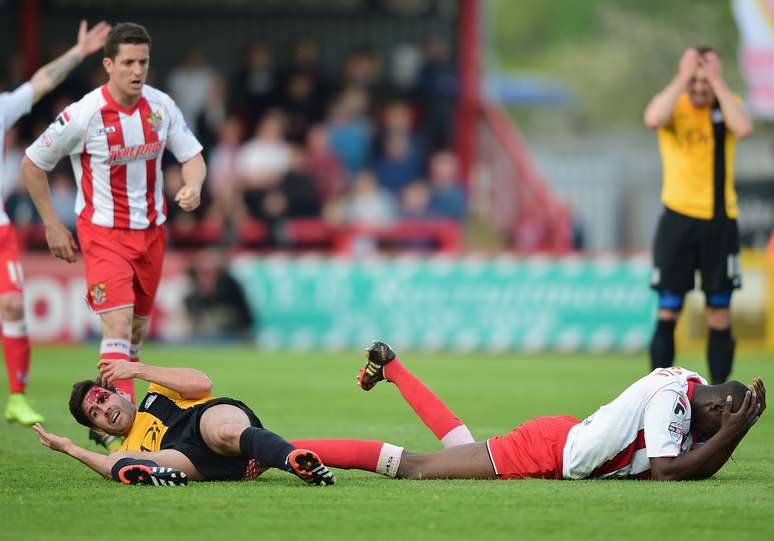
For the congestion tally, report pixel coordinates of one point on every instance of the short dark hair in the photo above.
(77, 395)
(125, 33)
(702, 49)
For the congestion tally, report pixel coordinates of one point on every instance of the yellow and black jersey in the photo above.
(165, 420)
(158, 410)
(697, 152)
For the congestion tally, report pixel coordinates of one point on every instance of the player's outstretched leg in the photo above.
(132, 471)
(384, 364)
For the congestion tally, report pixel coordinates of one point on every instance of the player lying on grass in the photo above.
(651, 430)
(179, 431)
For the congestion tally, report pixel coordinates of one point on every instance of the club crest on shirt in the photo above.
(98, 293)
(676, 431)
(155, 119)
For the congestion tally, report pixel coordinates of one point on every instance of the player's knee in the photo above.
(11, 308)
(718, 318)
(117, 323)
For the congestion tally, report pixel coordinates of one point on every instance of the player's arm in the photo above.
(52, 74)
(658, 113)
(705, 460)
(102, 464)
(194, 172)
(60, 241)
(190, 383)
(734, 114)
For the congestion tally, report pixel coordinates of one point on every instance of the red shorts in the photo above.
(123, 266)
(11, 276)
(532, 450)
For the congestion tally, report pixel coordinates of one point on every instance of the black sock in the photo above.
(662, 345)
(720, 354)
(266, 447)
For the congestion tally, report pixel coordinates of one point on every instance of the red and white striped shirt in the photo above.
(116, 155)
(13, 105)
(652, 418)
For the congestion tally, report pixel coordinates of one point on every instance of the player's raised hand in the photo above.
(61, 242)
(713, 69)
(92, 40)
(689, 62)
(188, 198)
(52, 441)
(759, 391)
(113, 369)
(746, 416)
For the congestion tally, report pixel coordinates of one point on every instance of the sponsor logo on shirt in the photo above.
(106, 130)
(150, 400)
(148, 151)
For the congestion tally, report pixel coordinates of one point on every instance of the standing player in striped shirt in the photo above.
(14, 105)
(115, 137)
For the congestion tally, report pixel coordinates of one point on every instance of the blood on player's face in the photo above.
(108, 411)
(129, 69)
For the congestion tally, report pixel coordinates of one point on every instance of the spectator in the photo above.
(415, 201)
(325, 168)
(438, 86)
(295, 196)
(212, 117)
(264, 159)
(223, 181)
(447, 197)
(399, 165)
(216, 304)
(363, 69)
(189, 85)
(255, 84)
(301, 105)
(350, 130)
(368, 204)
(398, 119)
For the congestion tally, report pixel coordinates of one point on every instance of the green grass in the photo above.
(44, 495)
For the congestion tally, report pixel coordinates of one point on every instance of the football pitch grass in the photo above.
(46, 495)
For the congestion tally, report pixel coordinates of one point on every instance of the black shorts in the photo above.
(684, 245)
(185, 436)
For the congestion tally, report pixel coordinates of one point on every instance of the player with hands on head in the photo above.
(698, 120)
(14, 105)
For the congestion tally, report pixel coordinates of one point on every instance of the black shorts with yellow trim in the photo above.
(187, 438)
(684, 245)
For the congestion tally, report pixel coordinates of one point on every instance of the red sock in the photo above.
(374, 456)
(117, 348)
(446, 426)
(16, 349)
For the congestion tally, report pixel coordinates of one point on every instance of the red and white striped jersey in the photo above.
(652, 418)
(13, 105)
(116, 155)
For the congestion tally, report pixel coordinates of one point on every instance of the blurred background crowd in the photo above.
(298, 157)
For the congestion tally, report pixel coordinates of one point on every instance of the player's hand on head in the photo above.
(689, 62)
(92, 40)
(61, 242)
(113, 369)
(746, 416)
(710, 61)
(759, 392)
(188, 197)
(52, 441)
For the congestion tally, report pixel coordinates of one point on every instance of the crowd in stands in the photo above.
(298, 157)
